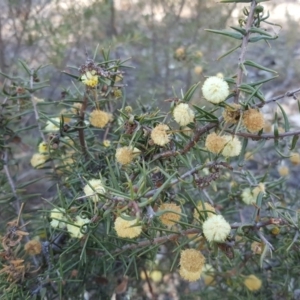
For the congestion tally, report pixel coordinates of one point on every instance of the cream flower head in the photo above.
(216, 229)
(252, 283)
(58, 217)
(38, 160)
(75, 228)
(183, 114)
(125, 155)
(90, 78)
(232, 147)
(295, 158)
(249, 196)
(159, 135)
(127, 229)
(93, 187)
(215, 89)
(52, 125)
(170, 218)
(43, 147)
(191, 264)
(99, 118)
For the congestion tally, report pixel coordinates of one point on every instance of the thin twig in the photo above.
(81, 124)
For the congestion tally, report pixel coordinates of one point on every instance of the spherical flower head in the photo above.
(52, 125)
(198, 70)
(127, 229)
(58, 217)
(232, 113)
(253, 120)
(216, 229)
(215, 89)
(252, 283)
(232, 147)
(159, 135)
(76, 108)
(38, 160)
(204, 211)
(170, 218)
(33, 247)
(295, 158)
(43, 147)
(99, 118)
(90, 78)
(183, 114)
(180, 53)
(126, 155)
(283, 170)
(215, 143)
(106, 143)
(93, 187)
(75, 228)
(249, 196)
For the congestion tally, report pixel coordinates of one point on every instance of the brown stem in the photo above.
(245, 42)
(264, 136)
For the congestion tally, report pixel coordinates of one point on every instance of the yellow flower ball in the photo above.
(125, 155)
(283, 170)
(33, 247)
(170, 218)
(159, 135)
(190, 276)
(198, 70)
(58, 217)
(252, 283)
(106, 143)
(93, 187)
(249, 196)
(215, 89)
(206, 211)
(75, 228)
(156, 276)
(232, 147)
(38, 160)
(257, 248)
(99, 118)
(43, 147)
(216, 229)
(52, 125)
(127, 229)
(253, 120)
(295, 158)
(183, 114)
(90, 78)
(192, 260)
(215, 143)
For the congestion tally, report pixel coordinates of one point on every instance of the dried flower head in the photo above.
(58, 217)
(295, 158)
(216, 229)
(198, 70)
(90, 78)
(180, 53)
(92, 188)
(257, 247)
(127, 229)
(215, 89)
(38, 160)
(125, 155)
(215, 143)
(204, 211)
(183, 114)
(191, 264)
(43, 147)
(52, 125)
(170, 218)
(253, 120)
(159, 135)
(75, 228)
(232, 113)
(33, 247)
(99, 118)
(232, 147)
(252, 283)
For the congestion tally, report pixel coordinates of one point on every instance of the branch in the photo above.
(81, 124)
(264, 136)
